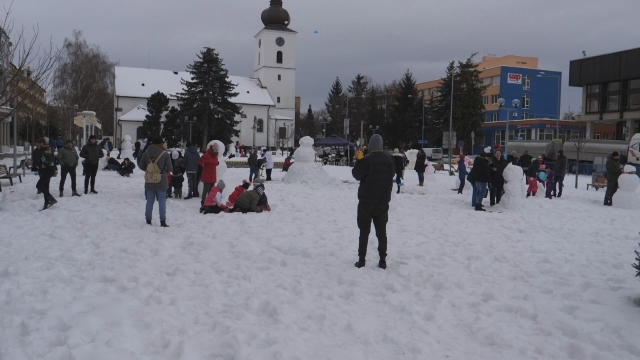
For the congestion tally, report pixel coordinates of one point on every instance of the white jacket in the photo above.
(269, 159)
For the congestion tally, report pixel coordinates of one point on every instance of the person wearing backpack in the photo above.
(46, 170)
(156, 163)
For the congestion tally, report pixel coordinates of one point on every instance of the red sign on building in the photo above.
(514, 78)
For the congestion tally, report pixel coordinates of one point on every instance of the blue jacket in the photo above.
(190, 160)
(462, 169)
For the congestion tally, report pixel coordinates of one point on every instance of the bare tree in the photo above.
(578, 141)
(85, 76)
(29, 58)
(282, 135)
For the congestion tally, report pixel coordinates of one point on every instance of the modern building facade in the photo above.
(610, 93)
(513, 77)
(267, 99)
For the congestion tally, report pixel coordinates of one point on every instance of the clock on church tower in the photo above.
(275, 59)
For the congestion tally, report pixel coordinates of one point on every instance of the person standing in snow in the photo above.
(253, 165)
(498, 164)
(420, 167)
(156, 154)
(268, 164)
(46, 170)
(92, 153)
(481, 174)
(209, 161)
(525, 162)
(68, 158)
(375, 173)
(190, 161)
(462, 172)
(613, 173)
(560, 169)
(532, 176)
(399, 163)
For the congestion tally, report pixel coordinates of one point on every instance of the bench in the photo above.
(22, 166)
(4, 174)
(601, 182)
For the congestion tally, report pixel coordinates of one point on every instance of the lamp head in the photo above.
(501, 102)
(515, 103)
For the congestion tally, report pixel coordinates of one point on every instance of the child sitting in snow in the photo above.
(237, 192)
(213, 201)
(263, 202)
(551, 182)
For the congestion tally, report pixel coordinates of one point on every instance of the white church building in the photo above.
(268, 99)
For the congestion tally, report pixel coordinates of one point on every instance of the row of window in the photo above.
(495, 81)
(493, 117)
(605, 135)
(608, 97)
(525, 104)
(534, 134)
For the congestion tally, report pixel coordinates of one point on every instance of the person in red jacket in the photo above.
(287, 164)
(209, 161)
(237, 192)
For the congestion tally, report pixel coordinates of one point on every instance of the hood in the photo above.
(192, 149)
(154, 151)
(375, 143)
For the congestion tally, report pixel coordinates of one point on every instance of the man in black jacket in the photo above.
(481, 176)
(498, 164)
(91, 153)
(375, 173)
(560, 169)
(525, 162)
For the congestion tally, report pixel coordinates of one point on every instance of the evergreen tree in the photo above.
(207, 96)
(308, 126)
(405, 114)
(173, 131)
(374, 110)
(335, 108)
(157, 105)
(357, 93)
(468, 107)
(637, 266)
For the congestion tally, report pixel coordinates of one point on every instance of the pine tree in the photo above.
(335, 108)
(173, 130)
(157, 105)
(375, 110)
(357, 93)
(308, 126)
(207, 96)
(637, 266)
(405, 114)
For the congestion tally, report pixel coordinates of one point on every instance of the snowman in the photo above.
(127, 148)
(514, 189)
(221, 169)
(628, 182)
(232, 150)
(305, 169)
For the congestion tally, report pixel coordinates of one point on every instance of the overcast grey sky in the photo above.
(377, 38)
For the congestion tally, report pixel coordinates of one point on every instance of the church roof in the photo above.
(138, 113)
(142, 83)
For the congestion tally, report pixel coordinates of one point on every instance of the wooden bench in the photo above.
(601, 182)
(4, 174)
(22, 166)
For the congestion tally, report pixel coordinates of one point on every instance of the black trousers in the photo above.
(268, 175)
(90, 174)
(495, 194)
(192, 183)
(71, 170)
(379, 214)
(43, 185)
(462, 182)
(612, 187)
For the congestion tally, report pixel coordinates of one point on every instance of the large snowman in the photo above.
(127, 148)
(305, 169)
(514, 188)
(628, 182)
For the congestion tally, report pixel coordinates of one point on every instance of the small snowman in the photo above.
(628, 182)
(127, 148)
(232, 150)
(221, 169)
(514, 188)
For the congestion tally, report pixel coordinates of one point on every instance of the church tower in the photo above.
(275, 59)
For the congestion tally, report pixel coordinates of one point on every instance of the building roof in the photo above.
(618, 66)
(138, 113)
(142, 83)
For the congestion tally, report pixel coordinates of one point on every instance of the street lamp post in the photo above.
(190, 121)
(374, 129)
(324, 122)
(515, 103)
(75, 108)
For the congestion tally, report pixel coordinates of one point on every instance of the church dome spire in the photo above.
(276, 15)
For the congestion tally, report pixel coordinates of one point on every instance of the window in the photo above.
(525, 100)
(522, 134)
(279, 57)
(279, 77)
(545, 134)
(633, 102)
(282, 132)
(494, 117)
(494, 99)
(499, 137)
(278, 99)
(606, 136)
(486, 81)
(260, 126)
(496, 80)
(527, 82)
(613, 96)
(485, 100)
(593, 98)
(596, 135)
(525, 116)
(432, 93)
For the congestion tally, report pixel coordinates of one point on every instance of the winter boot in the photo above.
(163, 223)
(528, 194)
(75, 193)
(148, 222)
(189, 196)
(86, 191)
(479, 208)
(559, 194)
(360, 263)
(61, 192)
(196, 194)
(93, 191)
(382, 264)
(52, 201)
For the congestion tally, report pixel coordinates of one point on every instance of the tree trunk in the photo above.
(577, 166)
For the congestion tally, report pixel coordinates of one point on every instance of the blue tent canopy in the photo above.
(333, 140)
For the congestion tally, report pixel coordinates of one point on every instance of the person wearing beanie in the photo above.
(156, 190)
(399, 164)
(375, 173)
(92, 153)
(46, 170)
(209, 162)
(462, 173)
(481, 175)
(420, 166)
(513, 158)
(68, 159)
(190, 162)
(177, 176)
(613, 173)
(560, 170)
(231, 201)
(213, 203)
(248, 200)
(525, 163)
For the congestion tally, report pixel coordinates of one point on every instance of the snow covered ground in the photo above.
(89, 279)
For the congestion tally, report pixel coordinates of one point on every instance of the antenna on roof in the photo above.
(584, 53)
